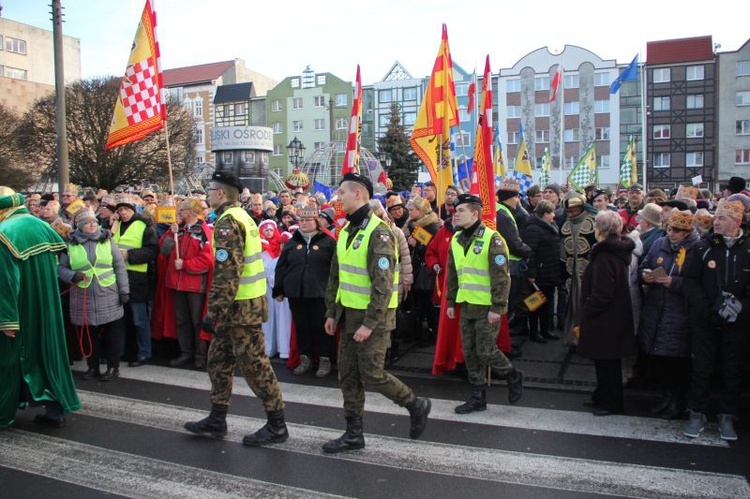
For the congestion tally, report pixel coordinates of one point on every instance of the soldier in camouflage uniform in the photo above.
(237, 307)
(361, 297)
(478, 279)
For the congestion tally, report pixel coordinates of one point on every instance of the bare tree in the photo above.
(90, 104)
(13, 172)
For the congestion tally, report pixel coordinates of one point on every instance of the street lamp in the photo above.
(384, 157)
(296, 151)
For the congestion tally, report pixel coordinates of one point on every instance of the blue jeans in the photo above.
(142, 320)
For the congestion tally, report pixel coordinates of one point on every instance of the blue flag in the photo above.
(628, 74)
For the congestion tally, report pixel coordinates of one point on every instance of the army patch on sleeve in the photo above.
(383, 263)
(500, 260)
(222, 255)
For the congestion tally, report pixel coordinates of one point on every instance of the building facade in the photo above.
(733, 114)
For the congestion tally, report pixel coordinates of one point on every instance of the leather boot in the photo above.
(273, 432)
(663, 404)
(419, 409)
(515, 386)
(214, 425)
(477, 401)
(676, 408)
(352, 439)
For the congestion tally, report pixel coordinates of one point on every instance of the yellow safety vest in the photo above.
(132, 239)
(253, 276)
(103, 269)
(501, 206)
(473, 269)
(355, 286)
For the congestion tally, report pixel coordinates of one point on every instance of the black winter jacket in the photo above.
(544, 240)
(302, 270)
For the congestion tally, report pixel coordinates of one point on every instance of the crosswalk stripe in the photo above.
(526, 418)
(536, 470)
(122, 473)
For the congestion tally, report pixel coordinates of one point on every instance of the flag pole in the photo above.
(171, 183)
(643, 118)
(562, 117)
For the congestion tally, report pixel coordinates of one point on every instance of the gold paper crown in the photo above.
(682, 220)
(731, 209)
(509, 185)
(703, 219)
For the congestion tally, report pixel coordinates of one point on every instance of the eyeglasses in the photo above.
(394, 208)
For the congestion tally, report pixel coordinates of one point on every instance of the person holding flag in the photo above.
(351, 158)
(522, 172)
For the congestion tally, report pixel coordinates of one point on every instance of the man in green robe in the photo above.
(34, 368)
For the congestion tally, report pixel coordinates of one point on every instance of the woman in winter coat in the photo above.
(99, 288)
(664, 332)
(543, 237)
(301, 276)
(606, 327)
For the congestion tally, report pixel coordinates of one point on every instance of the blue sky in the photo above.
(280, 38)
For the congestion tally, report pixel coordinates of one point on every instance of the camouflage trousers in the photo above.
(243, 345)
(362, 365)
(479, 339)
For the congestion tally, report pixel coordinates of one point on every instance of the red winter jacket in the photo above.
(197, 256)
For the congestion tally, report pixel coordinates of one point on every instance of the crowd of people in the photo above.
(652, 286)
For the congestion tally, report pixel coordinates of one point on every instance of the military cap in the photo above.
(675, 203)
(467, 199)
(227, 178)
(360, 179)
(636, 187)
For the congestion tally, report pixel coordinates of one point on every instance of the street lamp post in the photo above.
(296, 150)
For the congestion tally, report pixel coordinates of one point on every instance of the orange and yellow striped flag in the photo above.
(140, 109)
(431, 138)
(484, 170)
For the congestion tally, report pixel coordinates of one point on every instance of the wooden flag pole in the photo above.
(171, 183)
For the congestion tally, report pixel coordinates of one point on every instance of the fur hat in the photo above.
(682, 220)
(731, 209)
(736, 184)
(703, 220)
(651, 213)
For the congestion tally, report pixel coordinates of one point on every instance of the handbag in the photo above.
(408, 324)
(424, 279)
(535, 299)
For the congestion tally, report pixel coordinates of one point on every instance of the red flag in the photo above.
(140, 110)
(555, 84)
(351, 159)
(472, 93)
(484, 168)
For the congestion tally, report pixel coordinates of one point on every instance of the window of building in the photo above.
(694, 159)
(294, 83)
(277, 171)
(542, 136)
(662, 103)
(661, 160)
(463, 115)
(601, 106)
(15, 73)
(571, 135)
(602, 133)
(571, 81)
(662, 131)
(743, 127)
(318, 145)
(296, 102)
(462, 89)
(199, 138)
(694, 101)
(602, 79)
(541, 110)
(342, 100)
(661, 75)
(341, 124)
(198, 107)
(628, 115)
(541, 83)
(321, 79)
(742, 157)
(514, 111)
(512, 137)
(385, 95)
(743, 98)
(277, 128)
(462, 139)
(694, 130)
(410, 119)
(603, 161)
(239, 109)
(227, 157)
(297, 126)
(320, 124)
(277, 150)
(743, 68)
(513, 85)
(384, 119)
(228, 110)
(572, 108)
(410, 93)
(276, 105)
(694, 73)
(320, 101)
(15, 45)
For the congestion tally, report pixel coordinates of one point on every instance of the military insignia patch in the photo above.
(357, 242)
(384, 238)
(499, 260)
(222, 255)
(383, 263)
(478, 247)
(224, 232)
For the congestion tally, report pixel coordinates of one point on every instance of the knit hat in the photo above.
(682, 220)
(736, 184)
(328, 214)
(731, 209)
(703, 220)
(636, 187)
(651, 213)
(742, 199)
(83, 217)
(553, 187)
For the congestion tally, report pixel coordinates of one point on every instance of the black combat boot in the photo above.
(515, 386)
(214, 425)
(419, 409)
(665, 402)
(273, 432)
(352, 439)
(477, 401)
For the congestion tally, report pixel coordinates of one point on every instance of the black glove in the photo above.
(124, 298)
(77, 277)
(208, 325)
